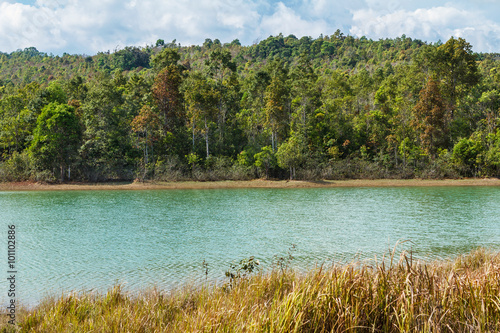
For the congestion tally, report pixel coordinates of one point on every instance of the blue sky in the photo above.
(87, 27)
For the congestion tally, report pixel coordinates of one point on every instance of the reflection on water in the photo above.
(91, 240)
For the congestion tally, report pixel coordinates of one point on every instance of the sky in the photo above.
(91, 26)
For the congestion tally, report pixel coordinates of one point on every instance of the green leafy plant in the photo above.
(242, 270)
(205, 268)
(283, 262)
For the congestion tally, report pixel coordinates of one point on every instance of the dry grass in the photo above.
(462, 295)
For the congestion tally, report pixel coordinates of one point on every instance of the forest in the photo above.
(332, 107)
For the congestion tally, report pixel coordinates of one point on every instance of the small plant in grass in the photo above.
(283, 262)
(205, 268)
(242, 270)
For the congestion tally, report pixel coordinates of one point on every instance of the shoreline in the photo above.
(257, 183)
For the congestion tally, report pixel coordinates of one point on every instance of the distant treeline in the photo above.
(333, 107)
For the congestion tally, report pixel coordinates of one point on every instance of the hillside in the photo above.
(334, 107)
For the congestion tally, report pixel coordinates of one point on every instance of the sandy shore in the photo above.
(258, 183)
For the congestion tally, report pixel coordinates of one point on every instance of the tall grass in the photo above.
(460, 295)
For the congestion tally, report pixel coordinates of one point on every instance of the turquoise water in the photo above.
(91, 240)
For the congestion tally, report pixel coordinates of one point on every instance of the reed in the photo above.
(459, 295)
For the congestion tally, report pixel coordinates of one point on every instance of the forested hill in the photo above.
(332, 107)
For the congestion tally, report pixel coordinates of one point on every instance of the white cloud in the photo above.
(78, 26)
(429, 25)
(22, 25)
(100, 25)
(286, 21)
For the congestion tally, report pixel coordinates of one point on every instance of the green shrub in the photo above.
(17, 168)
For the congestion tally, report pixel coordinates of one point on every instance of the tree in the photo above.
(265, 159)
(165, 58)
(136, 94)
(277, 101)
(12, 124)
(18, 113)
(467, 152)
(455, 64)
(167, 96)
(145, 124)
(208, 43)
(291, 154)
(306, 96)
(493, 153)
(221, 69)
(489, 102)
(430, 118)
(130, 57)
(106, 150)
(56, 138)
(201, 97)
(251, 116)
(76, 89)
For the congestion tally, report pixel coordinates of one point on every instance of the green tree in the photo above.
(291, 154)
(106, 151)
(56, 138)
(12, 124)
(130, 57)
(455, 64)
(165, 58)
(467, 153)
(277, 107)
(221, 70)
(18, 114)
(76, 89)
(201, 98)
(492, 159)
(251, 115)
(265, 159)
(306, 96)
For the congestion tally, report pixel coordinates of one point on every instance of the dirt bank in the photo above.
(258, 183)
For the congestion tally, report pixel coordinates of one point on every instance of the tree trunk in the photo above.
(61, 173)
(272, 140)
(193, 136)
(396, 154)
(145, 154)
(206, 137)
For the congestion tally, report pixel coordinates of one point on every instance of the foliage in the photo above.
(291, 154)
(56, 138)
(17, 168)
(431, 118)
(467, 153)
(328, 107)
(265, 160)
(242, 270)
(130, 57)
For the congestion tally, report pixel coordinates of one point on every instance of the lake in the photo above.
(91, 240)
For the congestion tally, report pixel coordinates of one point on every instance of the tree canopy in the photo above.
(332, 107)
